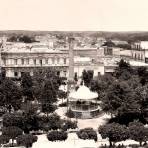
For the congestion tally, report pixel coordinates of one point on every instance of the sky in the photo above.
(74, 15)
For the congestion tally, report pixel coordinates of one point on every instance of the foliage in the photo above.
(68, 124)
(12, 132)
(4, 139)
(26, 85)
(120, 98)
(87, 133)
(54, 122)
(114, 131)
(26, 122)
(124, 46)
(51, 122)
(70, 113)
(143, 75)
(62, 94)
(30, 122)
(123, 70)
(10, 94)
(48, 108)
(13, 120)
(57, 135)
(101, 84)
(24, 38)
(26, 140)
(64, 104)
(87, 76)
(138, 132)
(76, 77)
(46, 85)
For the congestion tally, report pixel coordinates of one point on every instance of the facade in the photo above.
(20, 58)
(15, 63)
(17, 58)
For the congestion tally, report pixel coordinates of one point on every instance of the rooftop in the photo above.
(83, 93)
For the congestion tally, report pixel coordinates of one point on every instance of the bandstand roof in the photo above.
(83, 93)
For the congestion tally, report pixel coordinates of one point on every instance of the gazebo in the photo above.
(83, 103)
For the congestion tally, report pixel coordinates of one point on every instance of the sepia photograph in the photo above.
(73, 73)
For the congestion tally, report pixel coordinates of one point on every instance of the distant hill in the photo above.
(126, 36)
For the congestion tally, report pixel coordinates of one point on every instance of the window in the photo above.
(22, 73)
(41, 62)
(64, 60)
(58, 60)
(15, 74)
(27, 61)
(4, 61)
(93, 60)
(108, 51)
(22, 61)
(46, 61)
(58, 73)
(53, 61)
(64, 73)
(34, 61)
(15, 61)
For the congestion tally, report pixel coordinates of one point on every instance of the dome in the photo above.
(83, 93)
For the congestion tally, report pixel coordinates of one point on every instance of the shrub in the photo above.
(64, 104)
(69, 125)
(70, 114)
(51, 122)
(11, 132)
(4, 139)
(54, 122)
(87, 133)
(57, 135)
(26, 140)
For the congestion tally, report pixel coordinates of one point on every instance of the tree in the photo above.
(25, 39)
(48, 108)
(26, 140)
(12, 132)
(76, 77)
(101, 85)
(62, 95)
(138, 132)
(142, 73)
(10, 94)
(87, 76)
(30, 123)
(120, 98)
(114, 132)
(87, 133)
(46, 85)
(13, 120)
(49, 94)
(26, 85)
(123, 70)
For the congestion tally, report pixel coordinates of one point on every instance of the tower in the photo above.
(71, 58)
(70, 83)
(1, 47)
